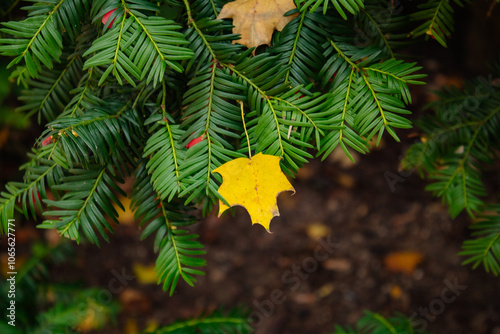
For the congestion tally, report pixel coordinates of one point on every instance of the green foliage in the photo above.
(485, 248)
(373, 323)
(90, 195)
(84, 310)
(123, 87)
(44, 307)
(36, 268)
(352, 6)
(41, 173)
(177, 248)
(140, 46)
(48, 95)
(460, 139)
(231, 322)
(437, 17)
(381, 24)
(39, 41)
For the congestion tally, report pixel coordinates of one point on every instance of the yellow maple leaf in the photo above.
(254, 184)
(145, 274)
(256, 20)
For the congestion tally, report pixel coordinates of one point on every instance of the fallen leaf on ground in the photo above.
(256, 20)
(340, 265)
(317, 231)
(4, 136)
(404, 262)
(134, 301)
(131, 326)
(304, 298)
(254, 184)
(325, 290)
(346, 180)
(396, 292)
(145, 274)
(125, 217)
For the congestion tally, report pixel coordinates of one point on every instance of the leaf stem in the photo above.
(344, 108)
(294, 48)
(56, 83)
(264, 95)
(376, 100)
(192, 22)
(170, 135)
(171, 237)
(342, 54)
(119, 38)
(82, 93)
(386, 42)
(147, 33)
(245, 128)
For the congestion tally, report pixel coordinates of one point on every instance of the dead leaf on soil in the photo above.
(256, 20)
(145, 274)
(325, 290)
(304, 298)
(340, 265)
(125, 217)
(254, 184)
(134, 301)
(396, 292)
(404, 262)
(317, 231)
(4, 136)
(131, 326)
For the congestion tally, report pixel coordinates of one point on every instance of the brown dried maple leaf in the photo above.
(256, 20)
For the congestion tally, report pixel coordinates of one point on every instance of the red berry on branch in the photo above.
(33, 196)
(333, 76)
(195, 141)
(430, 32)
(106, 17)
(47, 141)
